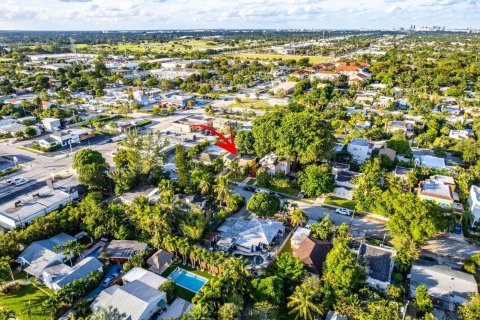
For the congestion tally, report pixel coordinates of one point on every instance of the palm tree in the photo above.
(198, 312)
(204, 185)
(302, 303)
(221, 189)
(234, 168)
(108, 313)
(5, 264)
(297, 217)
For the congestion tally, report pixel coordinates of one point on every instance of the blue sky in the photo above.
(282, 14)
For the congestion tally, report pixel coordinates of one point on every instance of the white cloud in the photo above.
(164, 14)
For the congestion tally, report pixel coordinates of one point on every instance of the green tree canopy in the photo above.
(317, 180)
(263, 204)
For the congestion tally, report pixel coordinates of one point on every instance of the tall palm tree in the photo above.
(297, 217)
(234, 168)
(221, 189)
(204, 185)
(302, 303)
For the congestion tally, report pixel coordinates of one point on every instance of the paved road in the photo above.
(360, 225)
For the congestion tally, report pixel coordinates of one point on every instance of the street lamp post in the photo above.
(351, 219)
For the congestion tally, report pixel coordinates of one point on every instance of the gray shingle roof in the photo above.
(81, 270)
(378, 260)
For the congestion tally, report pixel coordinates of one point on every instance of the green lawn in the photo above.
(182, 292)
(334, 201)
(251, 104)
(27, 298)
(251, 182)
(260, 56)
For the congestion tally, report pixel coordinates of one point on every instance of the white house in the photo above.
(250, 235)
(298, 236)
(461, 134)
(138, 298)
(65, 138)
(140, 97)
(344, 184)
(431, 162)
(40, 255)
(448, 287)
(51, 124)
(360, 150)
(474, 204)
(275, 165)
(59, 275)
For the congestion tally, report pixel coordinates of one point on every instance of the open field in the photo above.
(185, 45)
(260, 56)
(250, 103)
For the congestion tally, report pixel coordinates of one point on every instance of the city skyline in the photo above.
(242, 14)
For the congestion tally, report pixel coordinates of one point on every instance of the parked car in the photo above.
(20, 181)
(249, 188)
(106, 282)
(301, 194)
(343, 211)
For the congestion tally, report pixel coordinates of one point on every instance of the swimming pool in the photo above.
(187, 280)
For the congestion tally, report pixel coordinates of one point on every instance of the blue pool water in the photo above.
(187, 280)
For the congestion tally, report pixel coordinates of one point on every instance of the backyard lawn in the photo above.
(339, 202)
(182, 292)
(26, 303)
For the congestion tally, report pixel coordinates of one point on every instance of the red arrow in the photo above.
(227, 144)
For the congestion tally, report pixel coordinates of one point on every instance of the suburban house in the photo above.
(249, 235)
(177, 100)
(138, 298)
(313, 253)
(160, 261)
(298, 236)
(275, 165)
(66, 138)
(405, 126)
(431, 162)
(474, 204)
(461, 134)
(286, 87)
(51, 124)
(389, 153)
(379, 261)
(59, 275)
(140, 97)
(439, 189)
(120, 251)
(40, 255)
(208, 155)
(344, 184)
(447, 287)
(360, 150)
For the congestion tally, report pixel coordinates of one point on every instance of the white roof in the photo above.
(145, 276)
(442, 281)
(133, 299)
(432, 162)
(300, 234)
